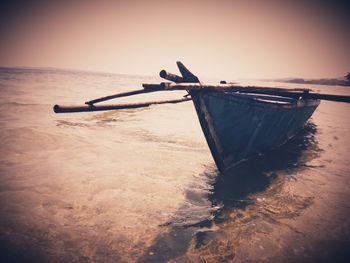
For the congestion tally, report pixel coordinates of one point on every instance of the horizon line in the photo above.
(62, 69)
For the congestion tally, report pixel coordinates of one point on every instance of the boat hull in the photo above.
(237, 127)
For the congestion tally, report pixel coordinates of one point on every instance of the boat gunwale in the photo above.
(237, 97)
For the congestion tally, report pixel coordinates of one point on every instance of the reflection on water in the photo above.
(233, 188)
(250, 184)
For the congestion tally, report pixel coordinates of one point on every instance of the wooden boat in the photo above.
(238, 126)
(238, 122)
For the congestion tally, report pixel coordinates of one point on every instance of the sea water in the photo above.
(140, 185)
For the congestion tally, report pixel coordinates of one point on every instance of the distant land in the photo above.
(345, 81)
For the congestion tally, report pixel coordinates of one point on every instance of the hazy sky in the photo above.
(224, 39)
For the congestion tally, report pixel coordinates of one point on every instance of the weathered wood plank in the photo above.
(186, 74)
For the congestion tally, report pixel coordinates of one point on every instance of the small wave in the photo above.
(62, 123)
(14, 103)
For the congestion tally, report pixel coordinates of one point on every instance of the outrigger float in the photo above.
(238, 122)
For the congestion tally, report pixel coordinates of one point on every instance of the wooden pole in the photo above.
(124, 94)
(146, 89)
(222, 87)
(292, 93)
(87, 108)
(169, 76)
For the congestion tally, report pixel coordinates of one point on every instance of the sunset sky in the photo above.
(223, 39)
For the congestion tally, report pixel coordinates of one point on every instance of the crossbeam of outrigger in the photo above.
(191, 84)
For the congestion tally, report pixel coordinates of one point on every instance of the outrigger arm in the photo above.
(190, 83)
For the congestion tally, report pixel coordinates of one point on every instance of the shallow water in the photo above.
(141, 186)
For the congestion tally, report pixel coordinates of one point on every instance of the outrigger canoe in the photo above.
(238, 122)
